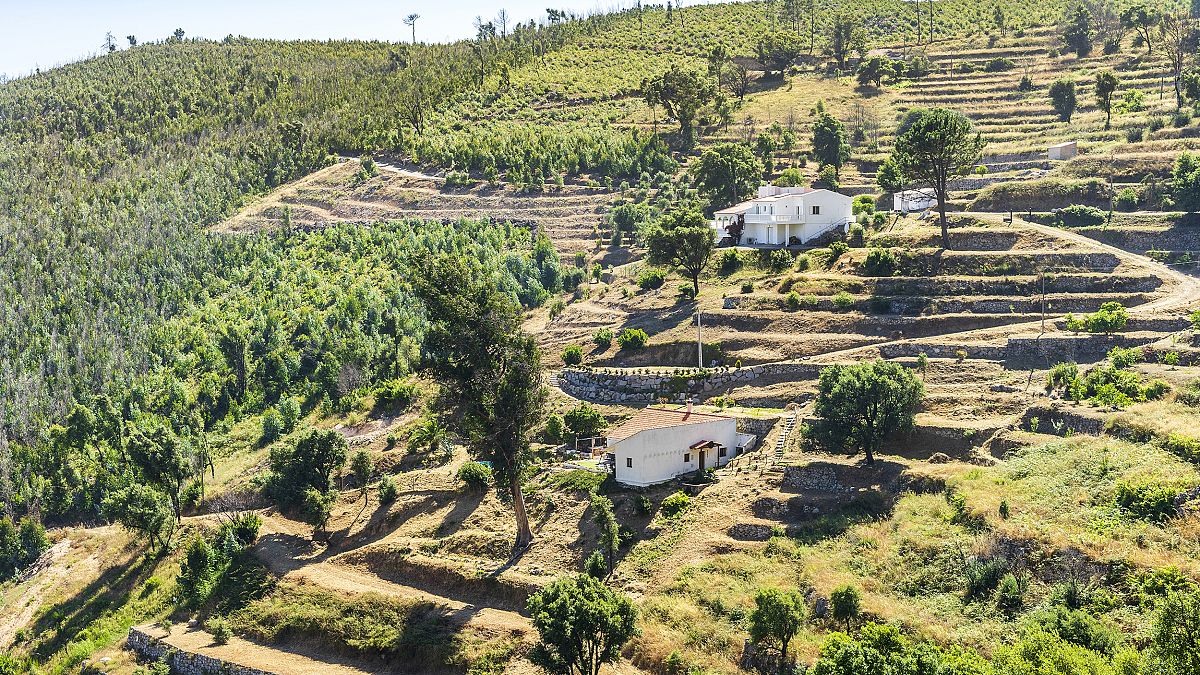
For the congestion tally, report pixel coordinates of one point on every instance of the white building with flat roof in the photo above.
(782, 216)
(659, 444)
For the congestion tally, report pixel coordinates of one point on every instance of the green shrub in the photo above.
(843, 300)
(998, 65)
(572, 355)
(584, 421)
(596, 566)
(1081, 216)
(603, 338)
(220, 630)
(791, 177)
(845, 604)
(836, 250)
(289, 414)
(556, 429)
(272, 426)
(982, 577)
(729, 262)
(395, 394)
(1010, 594)
(774, 261)
(1126, 200)
(388, 491)
(827, 177)
(880, 262)
(476, 476)
(793, 300)
(1078, 627)
(1123, 357)
(1147, 499)
(633, 338)
(1110, 318)
(651, 278)
(675, 504)
(747, 287)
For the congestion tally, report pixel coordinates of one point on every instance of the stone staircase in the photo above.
(789, 425)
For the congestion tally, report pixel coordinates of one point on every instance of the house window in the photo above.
(722, 452)
(687, 457)
(628, 462)
(816, 210)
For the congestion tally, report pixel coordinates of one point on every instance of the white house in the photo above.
(658, 444)
(1063, 151)
(911, 201)
(782, 216)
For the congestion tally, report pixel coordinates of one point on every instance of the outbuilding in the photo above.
(911, 201)
(1063, 151)
(659, 444)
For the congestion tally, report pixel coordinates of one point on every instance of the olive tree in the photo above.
(778, 616)
(682, 92)
(683, 240)
(859, 406)
(582, 623)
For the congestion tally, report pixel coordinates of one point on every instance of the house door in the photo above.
(702, 461)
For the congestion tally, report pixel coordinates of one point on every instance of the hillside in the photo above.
(255, 284)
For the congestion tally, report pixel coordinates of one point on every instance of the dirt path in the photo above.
(194, 640)
(282, 548)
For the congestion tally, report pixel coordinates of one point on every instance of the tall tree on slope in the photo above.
(937, 146)
(489, 367)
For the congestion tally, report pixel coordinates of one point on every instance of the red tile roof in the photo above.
(660, 418)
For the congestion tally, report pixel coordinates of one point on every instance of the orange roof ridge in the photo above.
(660, 418)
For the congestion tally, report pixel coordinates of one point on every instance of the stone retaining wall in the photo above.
(622, 387)
(183, 663)
(911, 305)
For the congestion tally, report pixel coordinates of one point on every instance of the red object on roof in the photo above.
(660, 418)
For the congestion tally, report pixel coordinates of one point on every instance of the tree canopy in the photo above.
(582, 623)
(937, 146)
(860, 406)
(682, 239)
(682, 91)
(727, 173)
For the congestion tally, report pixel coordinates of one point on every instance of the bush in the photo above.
(880, 262)
(1078, 628)
(1126, 200)
(633, 338)
(651, 278)
(675, 504)
(792, 177)
(395, 394)
(827, 178)
(1081, 216)
(1010, 595)
(245, 527)
(1147, 499)
(836, 250)
(863, 204)
(220, 630)
(845, 604)
(475, 475)
(1124, 357)
(843, 300)
(999, 65)
(982, 577)
(603, 338)
(387, 489)
(793, 301)
(595, 566)
(1026, 84)
(584, 421)
(747, 287)
(556, 429)
(1110, 318)
(272, 427)
(729, 262)
(572, 355)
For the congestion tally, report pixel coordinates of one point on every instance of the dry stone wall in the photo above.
(634, 386)
(183, 663)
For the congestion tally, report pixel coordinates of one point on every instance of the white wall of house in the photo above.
(657, 455)
(824, 209)
(913, 200)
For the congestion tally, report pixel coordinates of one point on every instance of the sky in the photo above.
(46, 33)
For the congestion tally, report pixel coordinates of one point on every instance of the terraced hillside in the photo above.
(570, 215)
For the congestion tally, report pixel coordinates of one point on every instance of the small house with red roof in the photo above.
(659, 444)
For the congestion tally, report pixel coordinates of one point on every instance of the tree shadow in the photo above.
(64, 622)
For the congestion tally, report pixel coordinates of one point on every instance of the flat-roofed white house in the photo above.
(659, 444)
(784, 216)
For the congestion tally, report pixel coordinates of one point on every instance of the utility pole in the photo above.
(699, 338)
(1042, 278)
